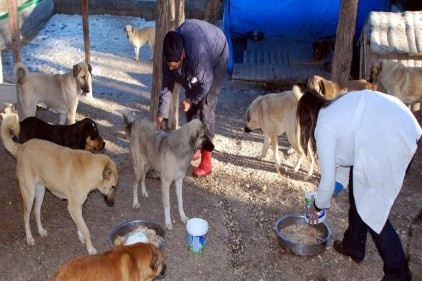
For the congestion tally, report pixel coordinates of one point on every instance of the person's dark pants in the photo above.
(387, 242)
(205, 109)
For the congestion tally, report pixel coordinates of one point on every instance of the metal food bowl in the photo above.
(129, 226)
(255, 35)
(298, 248)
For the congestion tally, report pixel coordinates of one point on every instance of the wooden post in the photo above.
(85, 24)
(169, 15)
(15, 37)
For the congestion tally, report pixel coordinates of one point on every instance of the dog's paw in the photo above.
(91, 250)
(144, 193)
(43, 232)
(30, 241)
(260, 157)
(184, 219)
(169, 226)
(136, 205)
(291, 150)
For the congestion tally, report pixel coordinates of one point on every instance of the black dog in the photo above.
(80, 135)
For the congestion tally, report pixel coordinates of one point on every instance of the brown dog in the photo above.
(59, 93)
(398, 80)
(68, 173)
(137, 262)
(330, 89)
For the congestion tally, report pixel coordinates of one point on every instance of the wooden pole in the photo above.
(15, 37)
(85, 24)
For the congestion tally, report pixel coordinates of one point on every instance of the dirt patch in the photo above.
(241, 199)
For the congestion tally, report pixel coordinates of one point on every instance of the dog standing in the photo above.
(137, 262)
(330, 89)
(68, 173)
(138, 37)
(169, 153)
(60, 92)
(275, 114)
(80, 135)
(398, 80)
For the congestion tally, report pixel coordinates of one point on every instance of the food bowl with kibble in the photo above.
(301, 238)
(134, 231)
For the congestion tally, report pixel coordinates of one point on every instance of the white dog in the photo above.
(138, 37)
(275, 114)
(59, 93)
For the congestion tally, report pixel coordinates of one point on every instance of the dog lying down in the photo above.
(168, 153)
(137, 262)
(275, 114)
(68, 173)
(80, 135)
(330, 89)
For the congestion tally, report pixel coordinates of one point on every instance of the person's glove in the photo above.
(338, 187)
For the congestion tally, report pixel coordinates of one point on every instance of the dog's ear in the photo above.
(107, 173)
(76, 70)
(89, 68)
(248, 116)
(155, 260)
(321, 87)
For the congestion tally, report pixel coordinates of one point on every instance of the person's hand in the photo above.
(186, 105)
(158, 122)
(313, 215)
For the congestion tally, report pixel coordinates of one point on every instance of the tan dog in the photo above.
(330, 89)
(138, 37)
(168, 153)
(137, 262)
(398, 80)
(275, 114)
(59, 93)
(68, 173)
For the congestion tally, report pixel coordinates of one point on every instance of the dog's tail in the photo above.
(21, 73)
(10, 124)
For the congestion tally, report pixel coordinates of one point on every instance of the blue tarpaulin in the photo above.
(308, 19)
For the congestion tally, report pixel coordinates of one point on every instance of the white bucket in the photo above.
(197, 233)
(309, 200)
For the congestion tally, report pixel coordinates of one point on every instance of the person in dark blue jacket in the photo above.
(195, 55)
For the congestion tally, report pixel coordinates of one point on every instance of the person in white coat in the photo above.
(372, 137)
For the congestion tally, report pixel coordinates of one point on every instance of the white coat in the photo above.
(377, 135)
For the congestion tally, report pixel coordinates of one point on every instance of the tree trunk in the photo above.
(15, 36)
(343, 51)
(169, 15)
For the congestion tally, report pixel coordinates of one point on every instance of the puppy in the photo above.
(137, 262)
(60, 92)
(330, 89)
(80, 135)
(169, 153)
(401, 81)
(138, 37)
(68, 173)
(275, 114)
